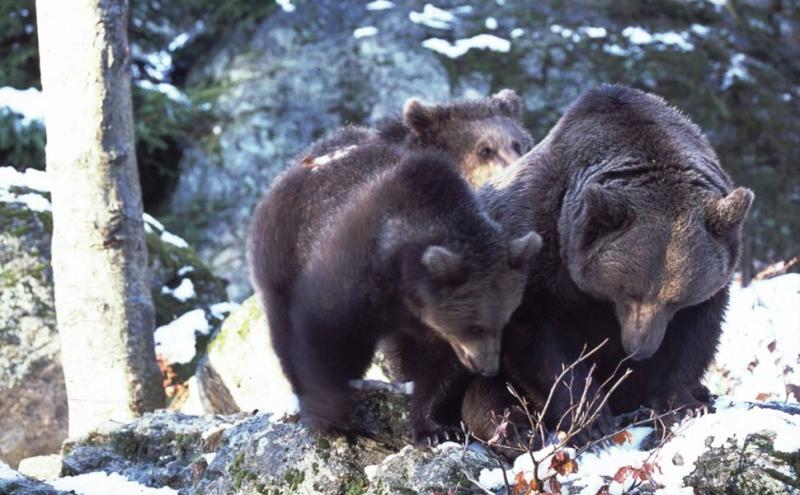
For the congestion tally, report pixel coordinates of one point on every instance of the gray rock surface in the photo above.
(33, 401)
(752, 468)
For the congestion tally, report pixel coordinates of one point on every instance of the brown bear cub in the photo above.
(641, 230)
(368, 237)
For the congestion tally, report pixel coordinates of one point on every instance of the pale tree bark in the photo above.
(104, 309)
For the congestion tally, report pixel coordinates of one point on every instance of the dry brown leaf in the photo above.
(762, 396)
(622, 437)
(562, 464)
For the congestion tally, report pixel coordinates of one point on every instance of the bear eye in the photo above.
(475, 331)
(517, 147)
(486, 152)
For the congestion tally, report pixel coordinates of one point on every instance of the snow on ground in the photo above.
(175, 341)
(26, 102)
(759, 352)
(763, 327)
(462, 46)
(100, 483)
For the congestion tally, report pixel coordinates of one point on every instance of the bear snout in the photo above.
(643, 327)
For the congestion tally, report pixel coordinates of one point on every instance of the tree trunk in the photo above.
(104, 310)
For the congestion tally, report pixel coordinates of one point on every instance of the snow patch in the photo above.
(759, 352)
(462, 46)
(616, 50)
(6, 473)
(433, 17)
(101, 483)
(700, 30)
(286, 5)
(168, 90)
(175, 341)
(638, 36)
(222, 309)
(26, 102)
(183, 292)
(171, 238)
(30, 179)
(736, 71)
(185, 269)
(490, 23)
(364, 32)
(380, 5)
(595, 32)
(517, 32)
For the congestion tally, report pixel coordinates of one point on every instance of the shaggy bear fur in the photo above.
(372, 240)
(641, 229)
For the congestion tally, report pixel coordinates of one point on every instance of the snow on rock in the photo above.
(175, 341)
(490, 23)
(759, 353)
(26, 102)
(101, 483)
(638, 36)
(6, 473)
(380, 5)
(286, 5)
(223, 309)
(183, 292)
(433, 17)
(364, 32)
(462, 46)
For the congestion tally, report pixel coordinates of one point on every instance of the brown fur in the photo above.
(641, 229)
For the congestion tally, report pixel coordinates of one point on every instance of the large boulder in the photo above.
(33, 402)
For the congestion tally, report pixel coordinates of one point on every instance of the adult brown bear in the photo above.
(641, 229)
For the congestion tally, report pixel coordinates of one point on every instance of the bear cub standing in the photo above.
(368, 237)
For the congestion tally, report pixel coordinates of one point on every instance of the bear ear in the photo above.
(418, 117)
(606, 211)
(442, 264)
(522, 249)
(725, 214)
(509, 102)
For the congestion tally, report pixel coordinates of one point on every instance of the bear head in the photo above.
(651, 252)
(482, 135)
(467, 296)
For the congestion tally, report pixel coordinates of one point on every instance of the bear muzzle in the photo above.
(643, 328)
(482, 358)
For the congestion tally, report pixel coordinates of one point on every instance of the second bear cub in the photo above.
(380, 241)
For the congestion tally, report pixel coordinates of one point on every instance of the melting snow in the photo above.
(175, 341)
(101, 483)
(481, 41)
(433, 17)
(380, 5)
(365, 31)
(26, 102)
